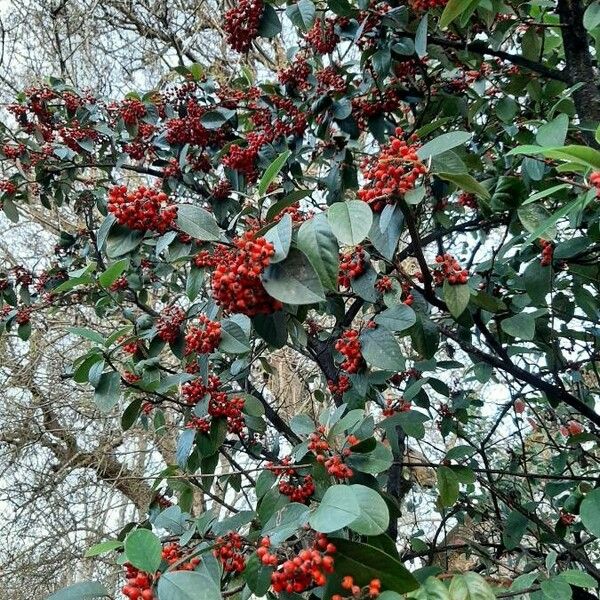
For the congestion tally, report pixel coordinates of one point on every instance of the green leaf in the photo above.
(85, 590)
(544, 193)
(233, 338)
(456, 297)
(447, 486)
(113, 272)
(381, 350)
(443, 143)
(377, 461)
(88, 334)
(366, 562)
(533, 218)
(198, 223)
(591, 16)
(374, 514)
(453, 10)
(556, 589)
(275, 167)
(578, 578)
(143, 550)
(589, 512)
(431, 589)
(470, 586)
(553, 133)
(213, 119)
(317, 241)
(107, 391)
(286, 522)
(302, 15)
(397, 318)
(514, 529)
(520, 326)
(467, 183)
(103, 548)
(550, 222)
(421, 37)
(293, 281)
(350, 221)
(269, 25)
(338, 508)
(280, 235)
(186, 585)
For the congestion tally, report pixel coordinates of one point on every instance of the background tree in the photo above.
(405, 214)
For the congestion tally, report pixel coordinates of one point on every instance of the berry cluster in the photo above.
(572, 428)
(383, 284)
(310, 567)
(236, 283)
(241, 24)
(349, 346)
(201, 425)
(467, 200)
(144, 209)
(352, 265)
(296, 75)
(229, 549)
(408, 298)
(222, 190)
(321, 37)
(595, 181)
(365, 108)
(395, 405)
(547, 252)
(131, 111)
(172, 553)
(219, 405)
(23, 316)
(372, 590)
(334, 463)
(342, 385)
(8, 187)
(448, 268)
(425, 5)
(203, 338)
(168, 324)
(298, 489)
(394, 172)
(139, 584)
(329, 81)
(130, 344)
(266, 558)
(119, 284)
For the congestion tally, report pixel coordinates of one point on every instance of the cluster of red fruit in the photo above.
(394, 172)
(130, 344)
(203, 338)
(144, 209)
(222, 190)
(334, 463)
(119, 284)
(352, 265)
(595, 181)
(342, 385)
(310, 567)
(8, 187)
(330, 81)
(425, 5)
(23, 316)
(349, 346)
(12, 151)
(200, 424)
(364, 109)
(132, 110)
(572, 428)
(292, 485)
(547, 252)
(321, 37)
(168, 324)
(407, 296)
(384, 284)
(172, 553)
(296, 74)
(219, 404)
(467, 200)
(229, 549)
(242, 22)
(448, 268)
(139, 584)
(236, 283)
(395, 405)
(372, 590)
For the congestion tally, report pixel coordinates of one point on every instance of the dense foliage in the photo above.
(410, 206)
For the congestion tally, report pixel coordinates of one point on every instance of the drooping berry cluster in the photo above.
(119, 284)
(236, 284)
(321, 37)
(168, 324)
(229, 549)
(352, 265)
(23, 315)
(139, 584)
(242, 22)
(425, 5)
(204, 337)
(572, 428)
(173, 553)
(349, 346)
(395, 405)
(547, 252)
(219, 404)
(296, 487)
(467, 200)
(448, 268)
(342, 385)
(372, 590)
(144, 209)
(296, 74)
(8, 187)
(199, 424)
(222, 190)
(310, 567)
(132, 110)
(325, 454)
(383, 284)
(130, 344)
(394, 172)
(330, 81)
(266, 557)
